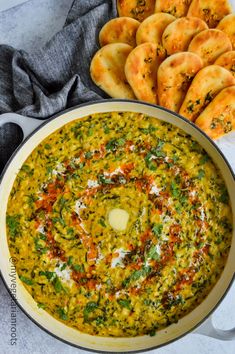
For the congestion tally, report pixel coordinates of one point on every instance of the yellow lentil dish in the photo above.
(120, 224)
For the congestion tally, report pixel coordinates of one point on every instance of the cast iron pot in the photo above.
(198, 320)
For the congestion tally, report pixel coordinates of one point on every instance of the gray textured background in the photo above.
(28, 26)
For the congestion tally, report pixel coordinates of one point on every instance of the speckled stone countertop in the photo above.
(27, 26)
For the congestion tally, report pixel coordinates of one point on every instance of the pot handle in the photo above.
(208, 329)
(27, 124)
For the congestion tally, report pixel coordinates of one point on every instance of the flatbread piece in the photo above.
(152, 28)
(119, 30)
(227, 25)
(177, 8)
(210, 11)
(209, 45)
(141, 71)
(174, 77)
(138, 9)
(107, 70)
(208, 82)
(178, 34)
(227, 61)
(218, 118)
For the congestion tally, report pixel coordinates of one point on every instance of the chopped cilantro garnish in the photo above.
(63, 267)
(175, 190)
(49, 170)
(57, 285)
(47, 274)
(114, 144)
(58, 220)
(103, 180)
(38, 246)
(153, 254)
(13, 225)
(152, 332)
(150, 164)
(102, 222)
(125, 303)
(26, 280)
(89, 308)
(157, 229)
(150, 129)
(63, 315)
(41, 305)
(79, 268)
(137, 274)
(121, 141)
(106, 129)
(201, 174)
(32, 198)
(70, 260)
(224, 197)
(88, 155)
(27, 170)
(90, 132)
(70, 231)
(204, 159)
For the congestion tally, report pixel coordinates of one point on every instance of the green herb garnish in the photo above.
(26, 280)
(89, 308)
(125, 303)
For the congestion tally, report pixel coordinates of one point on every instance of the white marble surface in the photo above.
(25, 27)
(32, 23)
(7, 4)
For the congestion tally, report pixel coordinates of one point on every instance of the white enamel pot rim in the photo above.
(198, 320)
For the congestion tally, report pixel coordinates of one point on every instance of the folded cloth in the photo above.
(55, 77)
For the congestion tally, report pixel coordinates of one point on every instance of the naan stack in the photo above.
(179, 54)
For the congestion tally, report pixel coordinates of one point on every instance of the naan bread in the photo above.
(219, 116)
(138, 9)
(205, 86)
(177, 8)
(152, 28)
(107, 70)
(227, 61)
(227, 25)
(178, 34)
(141, 71)
(209, 45)
(210, 11)
(174, 77)
(119, 30)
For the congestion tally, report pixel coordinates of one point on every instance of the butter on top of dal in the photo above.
(126, 224)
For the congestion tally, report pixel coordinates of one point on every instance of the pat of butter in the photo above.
(118, 219)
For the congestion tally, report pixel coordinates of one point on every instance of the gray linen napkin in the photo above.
(54, 77)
